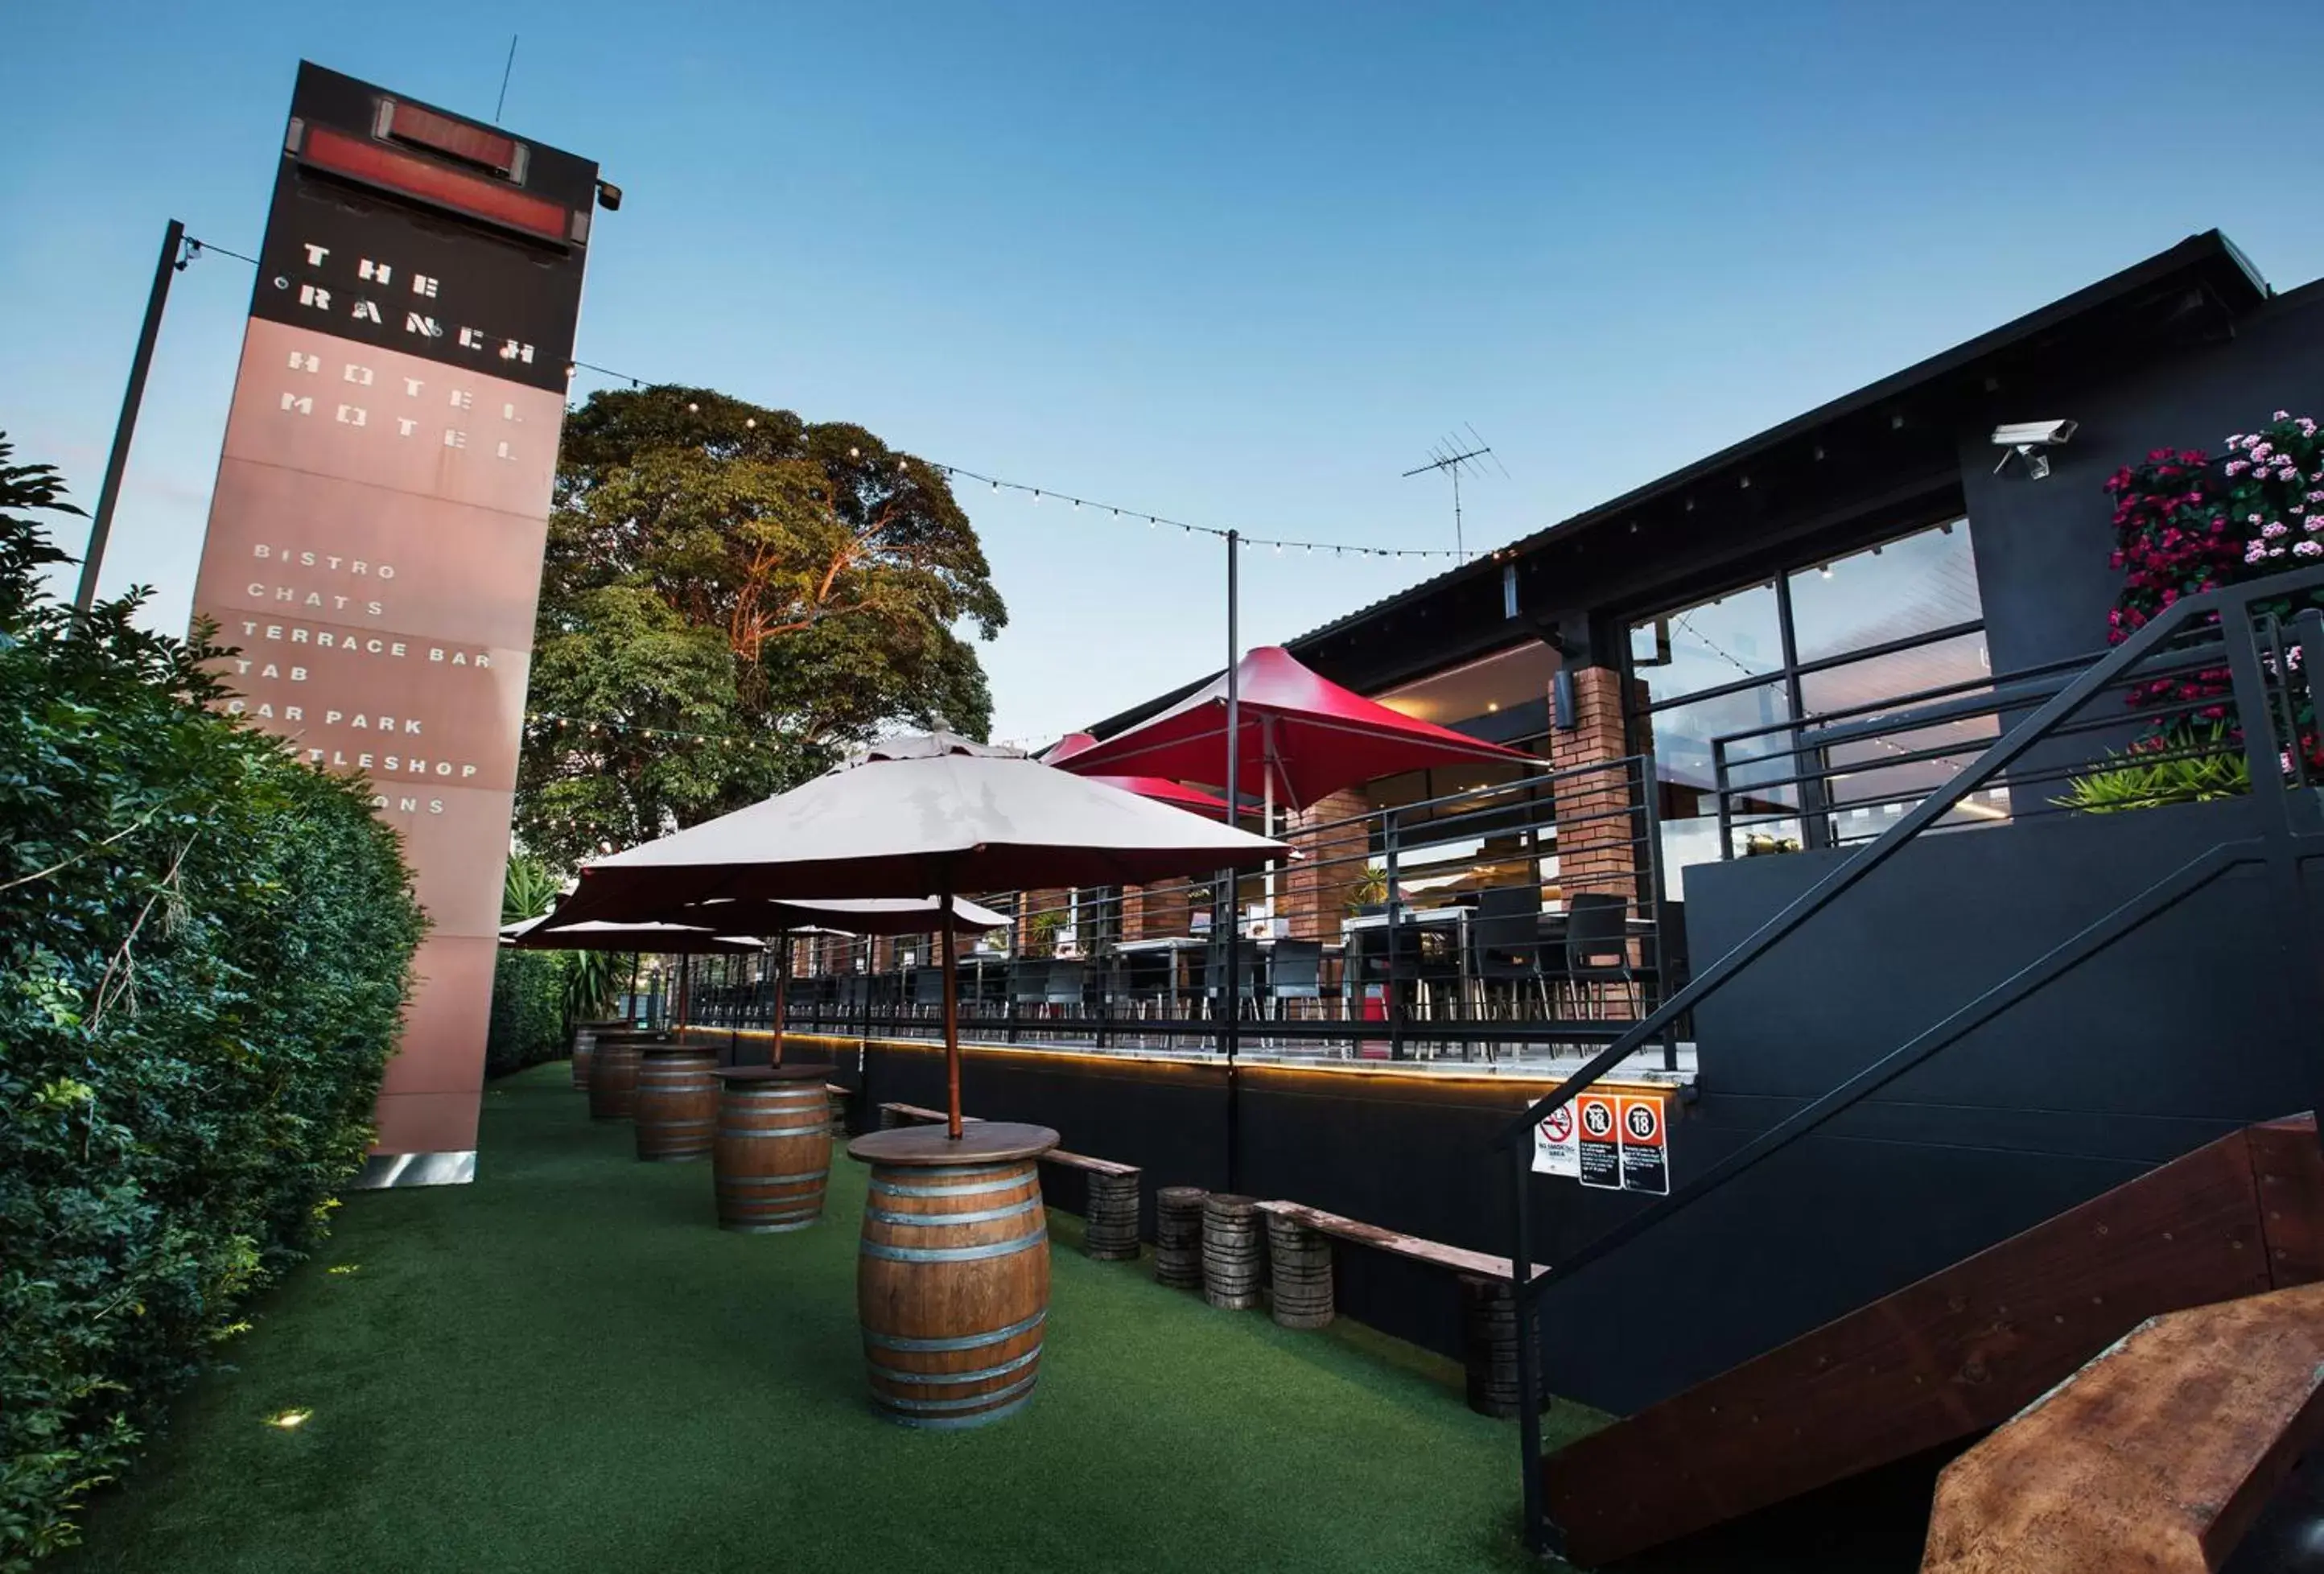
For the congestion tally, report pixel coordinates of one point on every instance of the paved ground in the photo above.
(567, 1366)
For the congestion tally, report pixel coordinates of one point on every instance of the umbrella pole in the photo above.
(637, 960)
(952, 1013)
(782, 981)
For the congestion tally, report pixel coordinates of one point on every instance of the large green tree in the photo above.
(732, 598)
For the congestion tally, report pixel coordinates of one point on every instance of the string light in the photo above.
(957, 472)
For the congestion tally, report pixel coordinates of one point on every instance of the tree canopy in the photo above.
(732, 598)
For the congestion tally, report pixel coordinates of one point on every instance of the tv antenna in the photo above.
(1452, 456)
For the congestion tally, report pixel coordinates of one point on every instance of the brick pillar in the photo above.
(1598, 826)
(1313, 892)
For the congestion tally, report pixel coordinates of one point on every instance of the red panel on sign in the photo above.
(383, 167)
(411, 123)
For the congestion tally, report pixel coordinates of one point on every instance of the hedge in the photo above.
(528, 1023)
(204, 947)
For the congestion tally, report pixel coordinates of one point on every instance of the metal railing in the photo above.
(1521, 918)
(2223, 675)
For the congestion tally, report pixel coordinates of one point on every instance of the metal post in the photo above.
(1537, 1531)
(1231, 1030)
(951, 1011)
(1395, 914)
(100, 526)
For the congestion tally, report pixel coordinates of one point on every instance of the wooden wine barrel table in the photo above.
(953, 1282)
(772, 1158)
(676, 1105)
(613, 1072)
(585, 1045)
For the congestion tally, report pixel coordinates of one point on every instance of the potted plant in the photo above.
(1369, 893)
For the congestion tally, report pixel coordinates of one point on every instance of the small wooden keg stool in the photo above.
(1113, 1232)
(1233, 1263)
(1299, 1273)
(772, 1157)
(1489, 1345)
(613, 1072)
(953, 1281)
(838, 1097)
(1178, 1237)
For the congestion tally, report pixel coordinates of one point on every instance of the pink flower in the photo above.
(2308, 550)
(2238, 466)
(2282, 415)
(2262, 450)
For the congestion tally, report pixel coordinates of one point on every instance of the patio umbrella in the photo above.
(862, 915)
(1303, 736)
(911, 815)
(683, 941)
(1160, 788)
(664, 939)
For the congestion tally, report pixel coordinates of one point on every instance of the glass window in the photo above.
(1911, 585)
(1898, 591)
(1719, 641)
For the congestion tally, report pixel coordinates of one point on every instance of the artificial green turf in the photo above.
(567, 1366)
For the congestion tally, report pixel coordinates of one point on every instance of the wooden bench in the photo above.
(1488, 1320)
(1112, 1215)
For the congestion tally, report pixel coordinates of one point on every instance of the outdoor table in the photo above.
(1456, 917)
(674, 1103)
(952, 1286)
(772, 1155)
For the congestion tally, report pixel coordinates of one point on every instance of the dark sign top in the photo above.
(466, 249)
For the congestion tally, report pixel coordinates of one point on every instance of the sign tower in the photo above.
(376, 536)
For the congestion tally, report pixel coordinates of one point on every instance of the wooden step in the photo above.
(2158, 1455)
(1960, 1351)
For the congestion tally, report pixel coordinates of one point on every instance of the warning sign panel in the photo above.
(1645, 1149)
(1555, 1151)
(1598, 1119)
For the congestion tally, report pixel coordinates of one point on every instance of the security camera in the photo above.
(2042, 434)
(2027, 439)
(609, 197)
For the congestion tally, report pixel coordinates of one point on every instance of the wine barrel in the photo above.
(584, 1045)
(1113, 1232)
(953, 1282)
(1488, 1345)
(1178, 1237)
(1299, 1273)
(838, 1096)
(613, 1072)
(677, 1106)
(772, 1158)
(1234, 1257)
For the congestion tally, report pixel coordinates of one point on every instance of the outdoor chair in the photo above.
(1151, 980)
(927, 990)
(1294, 971)
(1061, 993)
(1214, 972)
(1505, 950)
(1598, 949)
(1028, 986)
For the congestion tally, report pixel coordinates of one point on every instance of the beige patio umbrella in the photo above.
(857, 916)
(906, 817)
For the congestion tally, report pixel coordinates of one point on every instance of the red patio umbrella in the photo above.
(1160, 788)
(1302, 736)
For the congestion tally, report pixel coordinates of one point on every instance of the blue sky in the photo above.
(1236, 263)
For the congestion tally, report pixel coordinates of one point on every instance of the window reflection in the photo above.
(1912, 586)
(1722, 640)
(1898, 592)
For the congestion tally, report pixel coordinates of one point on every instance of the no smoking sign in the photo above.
(1554, 1150)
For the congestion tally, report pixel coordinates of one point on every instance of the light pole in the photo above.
(101, 524)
